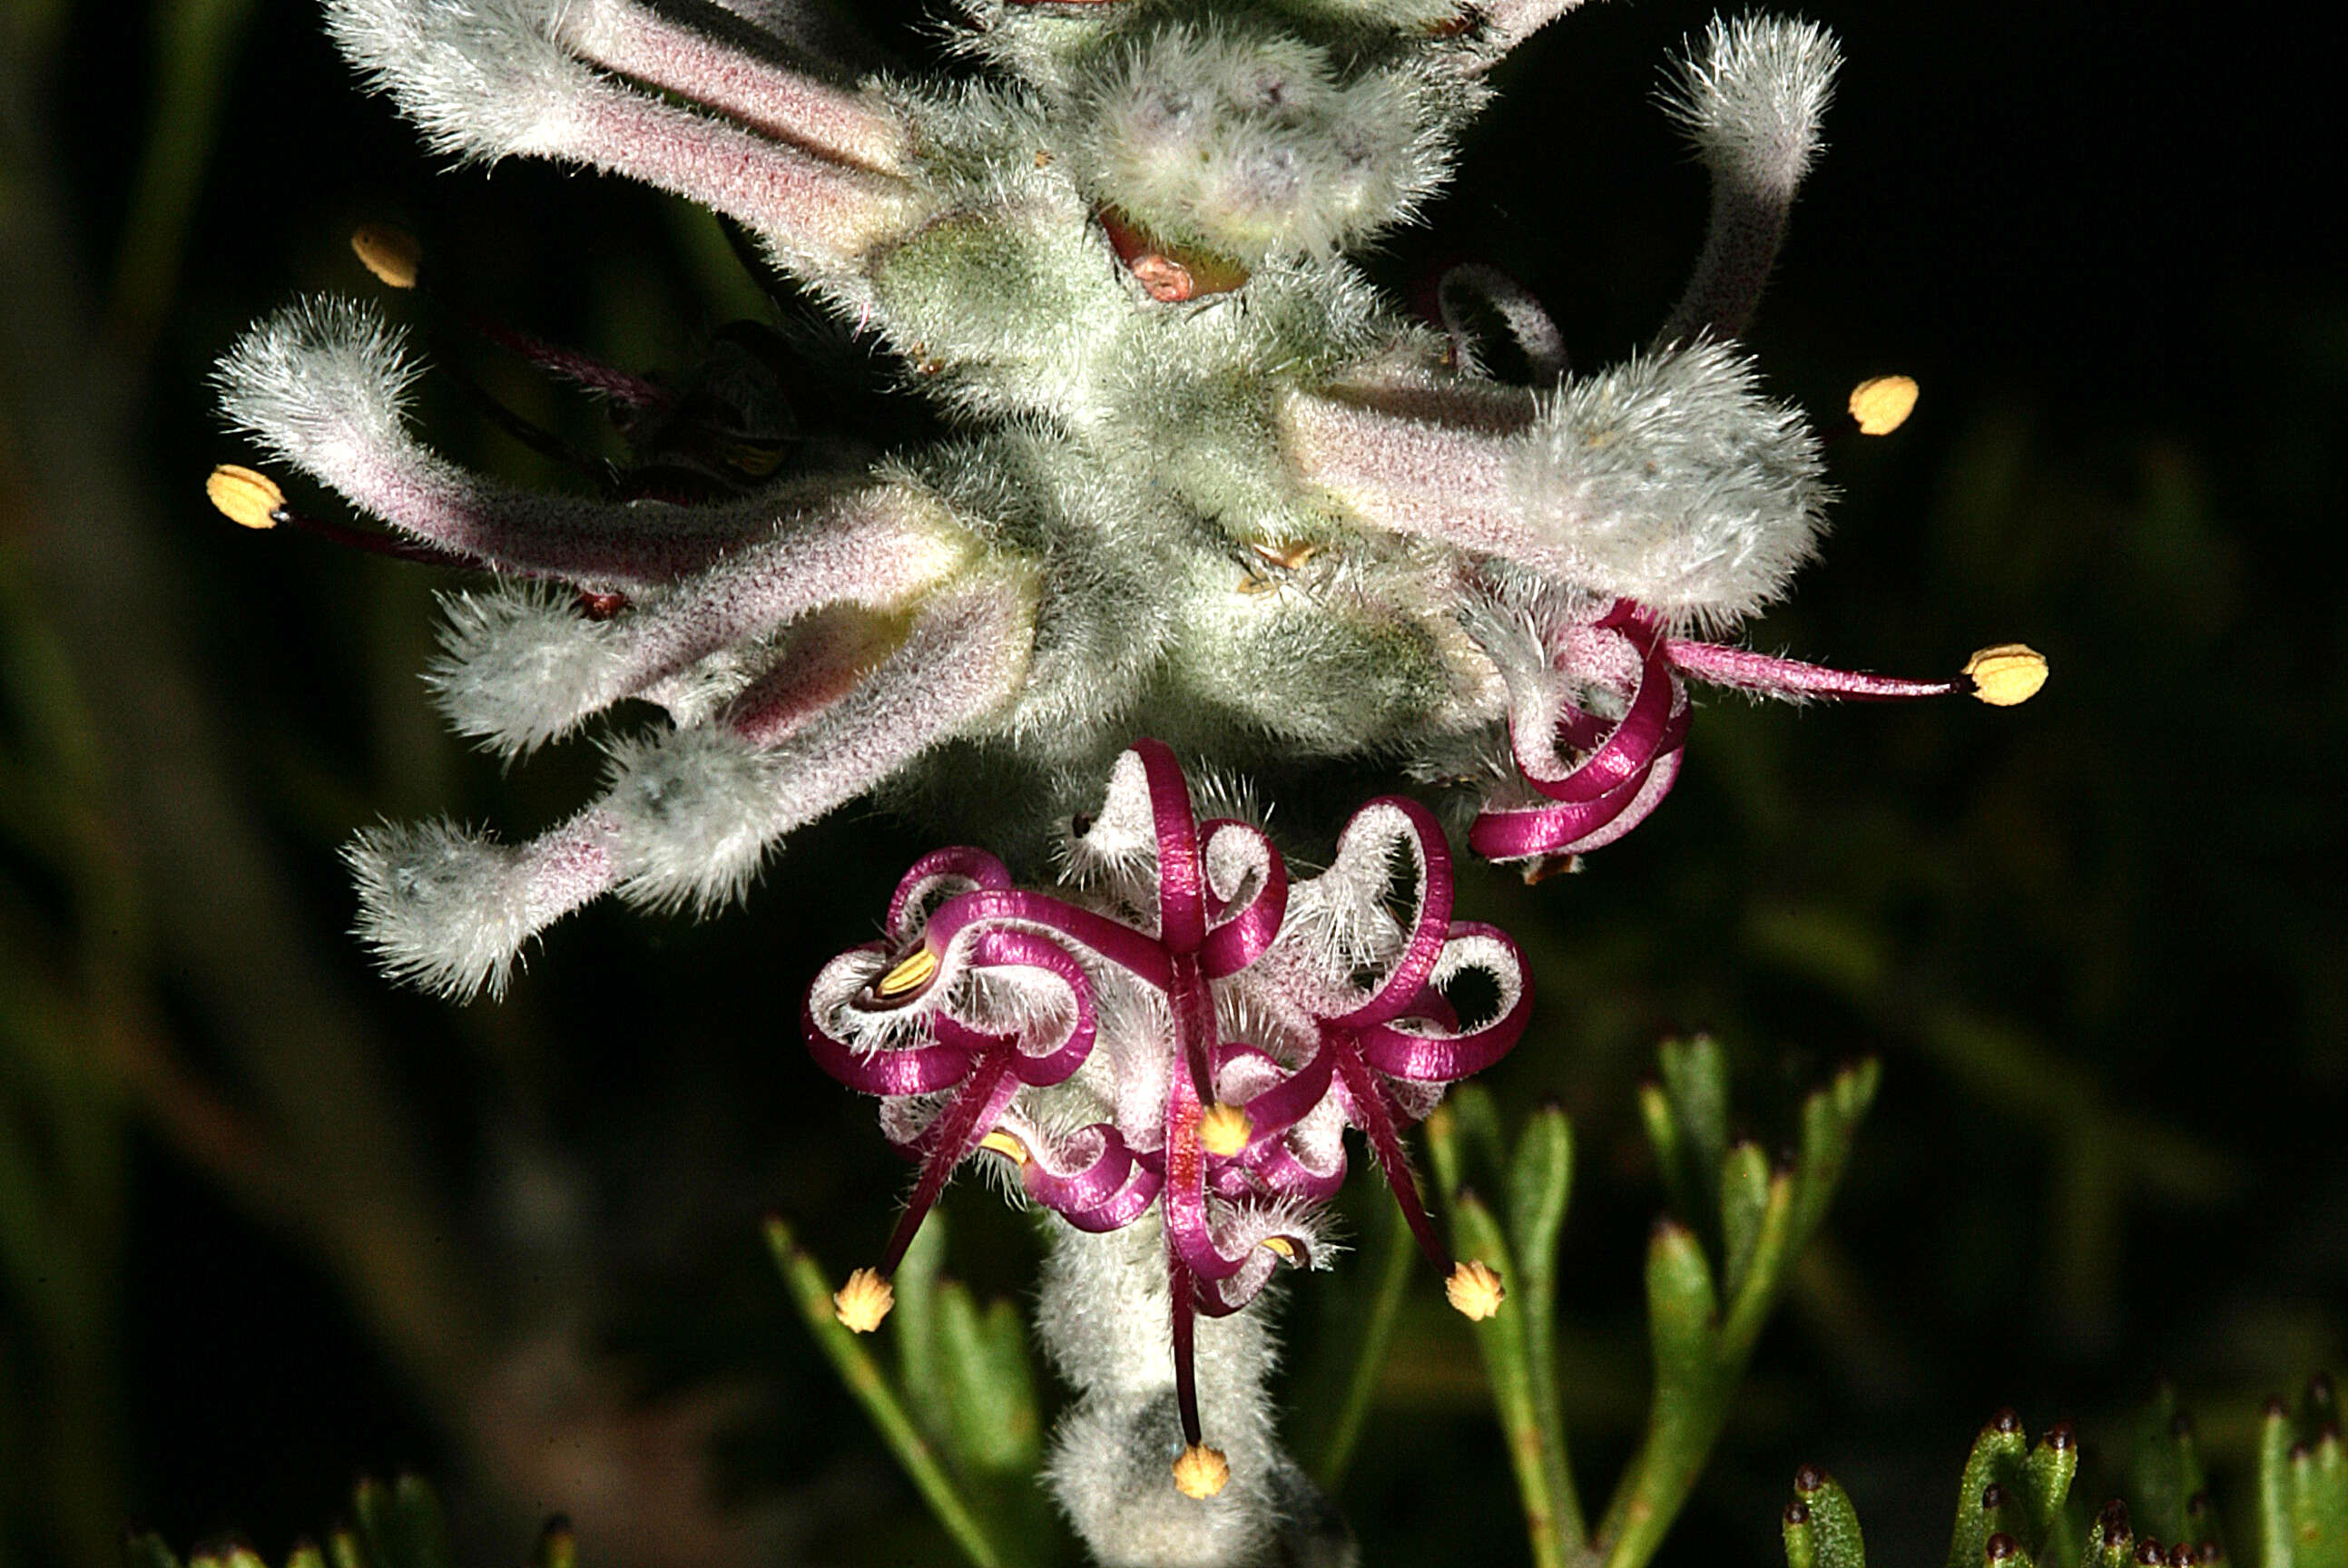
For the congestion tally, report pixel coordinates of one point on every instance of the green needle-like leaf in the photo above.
(2319, 1502)
(1744, 1206)
(1990, 1496)
(1687, 1122)
(2110, 1542)
(1831, 1120)
(988, 1385)
(1683, 1309)
(811, 1290)
(342, 1549)
(2047, 1477)
(1821, 1529)
(1540, 1183)
(914, 1322)
(1508, 1361)
(2164, 1474)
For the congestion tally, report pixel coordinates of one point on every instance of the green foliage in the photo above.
(960, 1414)
(2302, 1497)
(2014, 1501)
(1714, 1272)
(1519, 1344)
(396, 1525)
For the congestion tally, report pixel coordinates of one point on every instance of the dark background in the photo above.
(268, 1223)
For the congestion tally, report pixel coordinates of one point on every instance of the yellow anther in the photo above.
(863, 1301)
(2008, 673)
(1882, 404)
(1201, 1471)
(391, 254)
(1225, 1129)
(1280, 1244)
(1002, 1142)
(911, 973)
(1474, 1291)
(246, 498)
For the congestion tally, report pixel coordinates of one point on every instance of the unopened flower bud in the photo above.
(1201, 1471)
(1475, 1291)
(863, 1301)
(2009, 673)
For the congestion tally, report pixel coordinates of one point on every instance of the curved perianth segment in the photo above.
(809, 166)
(690, 816)
(519, 669)
(1750, 100)
(322, 385)
(740, 74)
(1411, 471)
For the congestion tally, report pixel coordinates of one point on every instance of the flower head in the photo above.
(1185, 1032)
(1205, 483)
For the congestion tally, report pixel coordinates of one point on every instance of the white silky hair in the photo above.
(483, 79)
(442, 906)
(1250, 145)
(1103, 1319)
(1670, 479)
(694, 809)
(519, 665)
(319, 382)
(1752, 96)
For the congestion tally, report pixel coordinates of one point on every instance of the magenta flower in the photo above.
(1185, 1032)
(1594, 778)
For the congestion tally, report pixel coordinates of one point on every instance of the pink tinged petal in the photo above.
(966, 1119)
(1082, 1188)
(626, 545)
(875, 549)
(1122, 1210)
(960, 869)
(1447, 482)
(1134, 951)
(1370, 1112)
(898, 1071)
(1517, 833)
(1743, 669)
(1026, 951)
(1372, 830)
(638, 41)
(1181, 878)
(1241, 934)
(1634, 743)
(1274, 1110)
(1278, 1168)
(701, 807)
(1189, 1231)
(1454, 1053)
(822, 216)
(964, 659)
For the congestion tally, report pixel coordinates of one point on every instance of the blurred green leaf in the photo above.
(2166, 1485)
(811, 1291)
(988, 1383)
